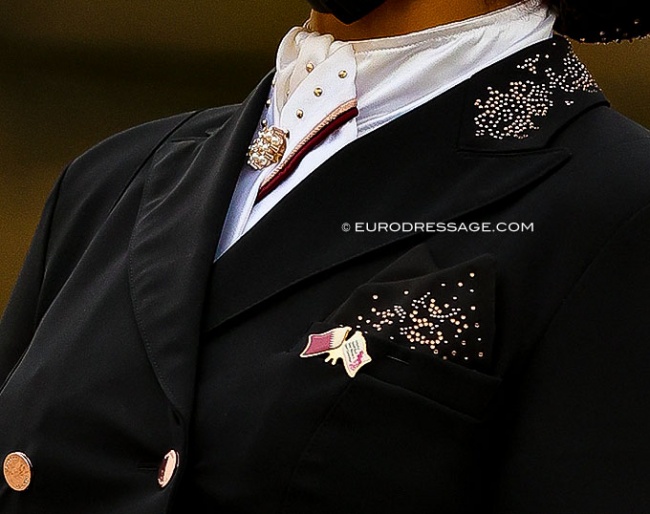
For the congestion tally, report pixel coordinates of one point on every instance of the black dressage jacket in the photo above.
(509, 371)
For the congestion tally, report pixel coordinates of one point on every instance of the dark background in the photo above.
(72, 72)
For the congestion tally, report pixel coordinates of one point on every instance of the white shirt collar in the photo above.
(387, 77)
(396, 74)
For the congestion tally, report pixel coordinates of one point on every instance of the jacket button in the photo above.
(17, 469)
(167, 468)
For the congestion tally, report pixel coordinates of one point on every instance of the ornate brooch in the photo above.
(268, 148)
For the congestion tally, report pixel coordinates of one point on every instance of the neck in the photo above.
(397, 17)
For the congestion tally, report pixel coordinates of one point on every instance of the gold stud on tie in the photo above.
(167, 468)
(318, 91)
(343, 74)
(309, 67)
(17, 469)
(300, 113)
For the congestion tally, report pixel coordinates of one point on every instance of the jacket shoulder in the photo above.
(100, 175)
(130, 148)
(610, 163)
(94, 183)
(605, 130)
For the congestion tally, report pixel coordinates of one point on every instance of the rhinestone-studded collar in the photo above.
(519, 103)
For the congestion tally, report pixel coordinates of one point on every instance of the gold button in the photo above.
(318, 91)
(309, 67)
(17, 469)
(343, 74)
(167, 468)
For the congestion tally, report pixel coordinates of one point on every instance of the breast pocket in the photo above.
(407, 433)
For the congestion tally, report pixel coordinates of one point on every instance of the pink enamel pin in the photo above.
(352, 351)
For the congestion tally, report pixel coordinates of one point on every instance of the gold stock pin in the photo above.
(268, 148)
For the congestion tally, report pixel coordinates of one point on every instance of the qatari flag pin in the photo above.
(352, 351)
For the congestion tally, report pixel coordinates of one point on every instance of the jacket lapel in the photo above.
(432, 164)
(437, 163)
(185, 200)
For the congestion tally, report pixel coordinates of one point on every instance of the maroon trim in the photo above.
(296, 158)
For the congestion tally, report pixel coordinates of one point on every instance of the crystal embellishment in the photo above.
(515, 113)
(268, 148)
(447, 322)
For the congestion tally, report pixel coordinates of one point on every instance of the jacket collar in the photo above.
(448, 158)
(473, 146)
(521, 103)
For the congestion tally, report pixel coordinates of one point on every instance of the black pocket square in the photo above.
(447, 312)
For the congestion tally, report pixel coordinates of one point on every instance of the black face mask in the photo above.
(347, 11)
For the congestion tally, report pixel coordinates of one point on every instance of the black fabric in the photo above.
(601, 22)
(583, 20)
(123, 340)
(345, 10)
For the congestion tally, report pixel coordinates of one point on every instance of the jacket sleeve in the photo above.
(20, 316)
(580, 441)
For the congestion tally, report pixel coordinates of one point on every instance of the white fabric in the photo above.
(329, 59)
(388, 77)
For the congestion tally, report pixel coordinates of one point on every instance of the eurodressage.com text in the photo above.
(437, 227)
